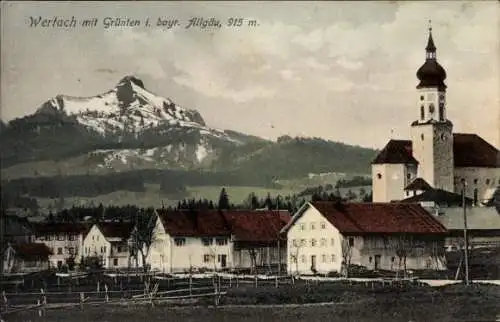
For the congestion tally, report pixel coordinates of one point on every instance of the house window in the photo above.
(333, 258)
(72, 237)
(180, 241)
(60, 237)
(475, 181)
(302, 227)
(93, 237)
(323, 242)
(302, 242)
(370, 260)
(119, 249)
(207, 241)
(323, 225)
(313, 242)
(49, 237)
(421, 97)
(393, 259)
(293, 259)
(351, 242)
(206, 258)
(313, 226)
(303, 258)
(59, 251)
(102, 249)
(332, 242)
(219, 257)
(294, 242)
(71, 251)
(323, 258)
(221, 241)
(115, 261)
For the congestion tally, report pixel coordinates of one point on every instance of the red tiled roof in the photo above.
(256, 226)
(396, 152)
(194, 223)
(60, 228)
(418, 184)
(31, 250)
(368, 218)
(116, 229)
(470, 150)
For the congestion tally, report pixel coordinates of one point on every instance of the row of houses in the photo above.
(321, 237)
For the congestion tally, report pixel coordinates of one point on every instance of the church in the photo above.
(435, 158)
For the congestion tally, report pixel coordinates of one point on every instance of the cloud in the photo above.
(288, 74)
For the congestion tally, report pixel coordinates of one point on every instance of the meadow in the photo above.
(348, 303)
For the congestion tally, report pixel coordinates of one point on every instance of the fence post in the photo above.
(190, 284)
(256, 281)
(106, 292)
(98, 287)
(277, 283)
(82, 299)
(39, 308)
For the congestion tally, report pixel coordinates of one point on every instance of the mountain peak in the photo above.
(131, 79)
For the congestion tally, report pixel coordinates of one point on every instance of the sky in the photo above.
(342, 71)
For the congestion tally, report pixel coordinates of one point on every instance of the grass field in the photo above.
(361, 304)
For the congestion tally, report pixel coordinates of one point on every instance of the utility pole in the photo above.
(466, 237)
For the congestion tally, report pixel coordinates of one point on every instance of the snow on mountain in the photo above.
(131, 109)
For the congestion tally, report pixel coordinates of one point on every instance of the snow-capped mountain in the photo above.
(125, 125)
(130, 109)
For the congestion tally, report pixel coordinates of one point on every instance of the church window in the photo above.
(422, 112)
(475, 196)
(422, 136)
(421, 97)
(475, 181)
(487, 181)
(379, 176)
(431, 108)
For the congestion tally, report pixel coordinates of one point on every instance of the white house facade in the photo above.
(326, 237)
(181, 244)
(65, 240)
(110, 242)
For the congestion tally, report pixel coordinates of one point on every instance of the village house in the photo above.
(186, 240)
(255, 238)
(64, 239)
(16, 229)
(483, 227)
(109, 243)
(326, 237)
(25, 257)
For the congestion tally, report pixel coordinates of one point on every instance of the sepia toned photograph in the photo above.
(206, 161)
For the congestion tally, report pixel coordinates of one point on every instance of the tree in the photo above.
(223, 200)
(142, 237)
(295, 250)
(268, 202)
(347, 245)
(402, 249)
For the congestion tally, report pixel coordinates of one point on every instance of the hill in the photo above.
(127, 137)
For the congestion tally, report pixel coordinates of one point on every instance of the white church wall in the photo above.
(388, 182)
(485, 180)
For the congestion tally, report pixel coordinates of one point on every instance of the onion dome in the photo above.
(431, 73)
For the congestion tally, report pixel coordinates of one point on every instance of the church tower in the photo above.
(431, 133)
